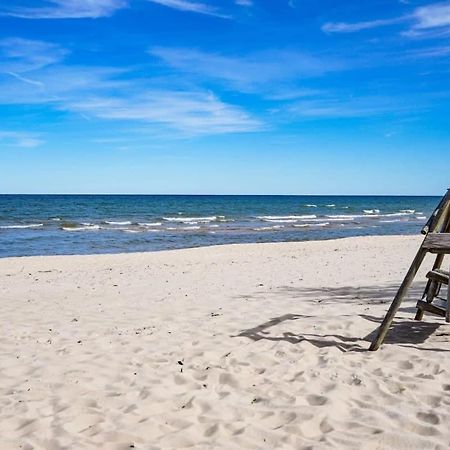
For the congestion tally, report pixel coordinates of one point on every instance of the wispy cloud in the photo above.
(343, 27)
(66, 9)
(22, 55)
(293, 94)
(109, 93)
(58, 83)
(351, 108)
(191, 6)
(188, 112)
(430, 52)
(244, 2)
(19, 139)
(249, 72)
(433, 16)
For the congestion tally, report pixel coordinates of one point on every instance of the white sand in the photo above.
(272, 339)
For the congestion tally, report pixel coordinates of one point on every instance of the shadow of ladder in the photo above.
(436, 241)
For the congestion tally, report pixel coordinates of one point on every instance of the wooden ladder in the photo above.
(436, 241)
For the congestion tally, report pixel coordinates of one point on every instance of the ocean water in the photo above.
(88, 224)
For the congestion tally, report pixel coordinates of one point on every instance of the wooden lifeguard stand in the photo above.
(437, 241)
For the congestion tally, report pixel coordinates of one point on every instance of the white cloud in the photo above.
(38, 84)
(292, 94)
(66, 9)
(343, 27)
(19, 139)
(58, 83)
(353, 107)
(111, 94)
(430, 52)
(191, 6)
(433, 16)
(22, 55)
(244, 2)
(188, 112)
(249, 72)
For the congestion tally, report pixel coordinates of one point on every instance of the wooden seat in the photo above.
(437, 243)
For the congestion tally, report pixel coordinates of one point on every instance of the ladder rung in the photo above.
(441, 276)
(429, 307)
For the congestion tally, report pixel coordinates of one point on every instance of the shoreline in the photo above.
(244, 244)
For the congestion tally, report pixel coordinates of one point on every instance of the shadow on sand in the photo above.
(408, 333)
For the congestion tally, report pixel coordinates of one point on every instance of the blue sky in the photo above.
(230, 96)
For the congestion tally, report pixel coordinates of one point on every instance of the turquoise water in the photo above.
(86, 224)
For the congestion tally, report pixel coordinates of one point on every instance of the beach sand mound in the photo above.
(259, 346)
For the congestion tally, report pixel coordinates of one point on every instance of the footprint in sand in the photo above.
(430, 418)
(405, 365)
(316, 400)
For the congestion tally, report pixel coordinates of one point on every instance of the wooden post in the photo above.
(384, 328)
(434, 219)
(447, 313)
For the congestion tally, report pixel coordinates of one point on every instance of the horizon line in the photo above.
(227, 195)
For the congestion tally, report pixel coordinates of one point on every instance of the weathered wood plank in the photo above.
(441, 276)
(437, 243)
(429, 307)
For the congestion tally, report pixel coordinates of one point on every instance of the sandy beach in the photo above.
(258, 346)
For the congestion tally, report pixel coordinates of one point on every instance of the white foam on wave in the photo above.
(304, 225)
(421, 218)
(346, 216)
(371, 211)
(150, 224)
(398, 214)
(191, 228)
(391, 221)
(110, 222)
(191, 219)
(342, 219)
(280, 218)
(331, 205)
(408, 211)
(274, 227)
(88, 227)
(311, 206)
(31, 225)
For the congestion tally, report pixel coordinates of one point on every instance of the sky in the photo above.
(225, 97)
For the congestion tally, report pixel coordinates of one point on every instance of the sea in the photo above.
(92, 224)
